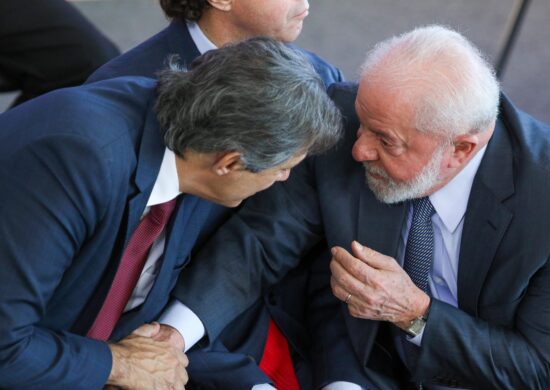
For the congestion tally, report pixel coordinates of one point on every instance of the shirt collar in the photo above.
(201, 41)
(450, 201)
(167, 184)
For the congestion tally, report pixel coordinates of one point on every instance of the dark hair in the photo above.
(257, 97)
(184, 9)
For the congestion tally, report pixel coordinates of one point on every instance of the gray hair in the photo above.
(257, 97)
(450, 85)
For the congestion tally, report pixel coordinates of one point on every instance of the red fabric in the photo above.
(276, 361)
(129, 269)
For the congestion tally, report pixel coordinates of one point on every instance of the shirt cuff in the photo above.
(263, 386)
(340, 385)
(179, 316)
(416, 340)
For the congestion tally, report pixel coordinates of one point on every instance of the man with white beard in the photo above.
(440, 266)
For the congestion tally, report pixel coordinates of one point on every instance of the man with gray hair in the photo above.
(106, 189)
(440, 265)
(198, 26)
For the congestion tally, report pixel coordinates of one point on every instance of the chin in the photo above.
(291, 34)
(232, 204)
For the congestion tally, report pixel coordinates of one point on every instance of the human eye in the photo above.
(385, 142)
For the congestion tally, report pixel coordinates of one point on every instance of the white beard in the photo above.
(388, 190)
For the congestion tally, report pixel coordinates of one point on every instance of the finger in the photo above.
(172, 336)
(185, 377)
(186, 360)
(351, 264)
(182, 378)
(343, 283)
(371, 257)
(338, 290)
(147, 330)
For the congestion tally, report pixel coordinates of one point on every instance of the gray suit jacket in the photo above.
(498, 337)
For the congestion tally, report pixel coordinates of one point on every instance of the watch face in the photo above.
(416, 326)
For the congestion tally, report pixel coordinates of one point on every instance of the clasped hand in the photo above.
(151, 357)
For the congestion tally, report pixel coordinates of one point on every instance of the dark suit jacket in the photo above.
(498, 337)
(246, 336)
(76, 169)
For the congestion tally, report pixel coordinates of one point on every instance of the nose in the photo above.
(364, 148)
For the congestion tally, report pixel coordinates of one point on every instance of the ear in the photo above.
(464, 147)
(227, 162)
(222, 5)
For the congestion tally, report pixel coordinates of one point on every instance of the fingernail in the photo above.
(357, 245)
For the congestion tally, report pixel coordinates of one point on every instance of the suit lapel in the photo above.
(486, 218)
(149, 157)
(379, 227)
(150, 154)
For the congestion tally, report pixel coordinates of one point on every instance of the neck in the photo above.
(190, 172)
(217, 29)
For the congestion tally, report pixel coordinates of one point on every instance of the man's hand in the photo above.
(380, 289)
(170, 335)
(150, 358)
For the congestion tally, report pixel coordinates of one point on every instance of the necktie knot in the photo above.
(422, 210)
(160, 213)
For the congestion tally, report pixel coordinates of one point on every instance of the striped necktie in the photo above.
(420, 244)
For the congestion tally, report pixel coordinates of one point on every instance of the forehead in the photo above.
(383, 108)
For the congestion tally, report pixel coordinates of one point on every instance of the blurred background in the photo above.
(342, 31)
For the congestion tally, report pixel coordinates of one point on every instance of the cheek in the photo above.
(400, 172)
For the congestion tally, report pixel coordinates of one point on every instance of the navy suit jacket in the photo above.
(245, 337)
(76, 169)
(498, 337)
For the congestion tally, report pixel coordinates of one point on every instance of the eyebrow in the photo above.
(385, 135)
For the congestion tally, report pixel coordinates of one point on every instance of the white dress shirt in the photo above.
(166, 188)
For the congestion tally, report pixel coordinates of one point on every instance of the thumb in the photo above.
(369, 256)
(147, 330)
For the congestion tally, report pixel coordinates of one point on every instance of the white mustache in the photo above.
(374, 170)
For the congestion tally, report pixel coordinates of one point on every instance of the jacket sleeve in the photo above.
(253, 250)
(53, 194)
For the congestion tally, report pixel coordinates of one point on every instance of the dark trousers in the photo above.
(47, 44)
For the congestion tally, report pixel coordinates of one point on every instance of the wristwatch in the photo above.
(417, 325)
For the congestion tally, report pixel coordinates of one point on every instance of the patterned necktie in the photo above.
(420, 243)
(276, 360)
(129, 269)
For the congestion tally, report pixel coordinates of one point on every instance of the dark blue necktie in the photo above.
(419, 255)
(419, 252)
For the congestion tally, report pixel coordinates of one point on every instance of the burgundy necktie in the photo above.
(129, 269)
(276, 360)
